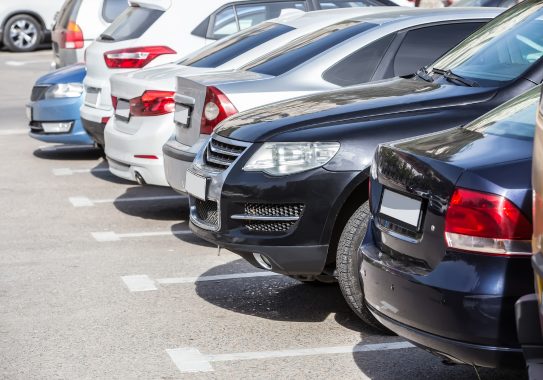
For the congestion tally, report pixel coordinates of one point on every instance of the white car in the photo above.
(143, 99)
(154, 32)
(25, 24)
(78, 24)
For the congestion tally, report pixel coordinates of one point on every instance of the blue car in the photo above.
(54, 106)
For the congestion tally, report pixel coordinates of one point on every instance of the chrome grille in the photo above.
(269, 226)
(288, 210)
(220, 154)
(270, 217)
(207, 212)
(38, 92)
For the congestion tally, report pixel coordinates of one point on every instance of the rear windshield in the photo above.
(304, 48)
(515, 119)
(230, 47)
(68, 12)
(113, 8)
(131, 24)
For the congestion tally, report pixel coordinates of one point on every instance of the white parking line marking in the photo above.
(139, 283)
(192, 360)
(13, 132)
(113, 236)
(86, 202)
(192, 280)
(68, 171)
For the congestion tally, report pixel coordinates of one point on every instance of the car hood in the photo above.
(69, 74)
(383, 99)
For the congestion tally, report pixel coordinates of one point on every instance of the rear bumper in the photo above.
(178, 159)
(95, 130)
(529, 334)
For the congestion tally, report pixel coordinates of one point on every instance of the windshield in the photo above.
(515, 118)
(304, 48)
(501, 50)
(233, 46)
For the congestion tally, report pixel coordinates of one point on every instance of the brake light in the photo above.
(146, 156)
(152, 103)
(134, 58)
(486, 223)
(217, 107)
(114, 101)
(72, 37)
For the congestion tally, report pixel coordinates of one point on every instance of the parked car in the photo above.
(486, 3)
(283, 185)
(368, 48)
(142, 37)
(447, 251)
(54, 106)
(529, 310)
(25, 24)
(135, 136)
(78, 24)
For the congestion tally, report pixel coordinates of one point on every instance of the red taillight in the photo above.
(114, 101)
(217, 107)
(134, 58)
(152, 103)
(486, 223)
(146, 156)
(105, 120)
(72, 37)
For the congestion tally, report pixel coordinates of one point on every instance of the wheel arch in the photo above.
(23, 12)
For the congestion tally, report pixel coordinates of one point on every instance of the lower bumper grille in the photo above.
(260, 217)
(269, 226)
(207, 212)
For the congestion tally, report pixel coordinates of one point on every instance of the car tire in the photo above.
(22, 33)
(347, 264)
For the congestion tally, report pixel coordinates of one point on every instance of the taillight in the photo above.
(134, 58)
(486, 223)
(217, 107)
(114, 101)
(72, 37)
(152, 103)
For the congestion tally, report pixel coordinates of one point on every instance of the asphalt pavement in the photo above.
(101, 279)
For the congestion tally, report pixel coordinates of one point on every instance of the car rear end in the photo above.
(447, 252)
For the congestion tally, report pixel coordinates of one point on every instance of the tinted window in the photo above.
(515, 118)
(130, 24)
(502, 49)
(342, 4)
(68, 12)
(360, 66)
(230, 47)
(424, 45)
(113, 8)
(249, 15)
(225, 23)
(302, 49)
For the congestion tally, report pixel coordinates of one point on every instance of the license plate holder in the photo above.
(182, 115)
(122, 111)
(92, 96)
(29, 113)
(401, 208)
(196, 185)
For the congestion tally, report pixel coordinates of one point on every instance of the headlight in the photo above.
(64, 90)
(285, 158)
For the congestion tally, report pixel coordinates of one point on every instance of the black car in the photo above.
(448, 247)
(286, 185)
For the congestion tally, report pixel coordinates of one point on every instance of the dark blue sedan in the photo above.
(447, 252)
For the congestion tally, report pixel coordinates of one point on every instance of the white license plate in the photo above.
(401, 208)
(181, 115)
(92, 97)
(196, 185)
(123, 109)
(29, 113)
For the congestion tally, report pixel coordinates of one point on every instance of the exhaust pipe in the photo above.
(139, 178)
(263, 261)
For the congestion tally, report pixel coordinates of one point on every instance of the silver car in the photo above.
(393, 42)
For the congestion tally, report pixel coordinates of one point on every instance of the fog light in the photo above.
(61, 127)
(263, 261)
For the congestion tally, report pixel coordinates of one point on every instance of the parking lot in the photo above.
(102, 278)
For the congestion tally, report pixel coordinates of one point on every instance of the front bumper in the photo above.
(178, 159)
(462, 309)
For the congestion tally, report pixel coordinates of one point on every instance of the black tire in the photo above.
(347, 264)
(22, 33)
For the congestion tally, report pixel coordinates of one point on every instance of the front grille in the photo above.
(221, 155)
(207, 212)
(259, 209)
(38, 92)
(269, 226)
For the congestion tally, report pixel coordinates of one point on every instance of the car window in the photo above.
(68, 12)
(225, 23)
(424, 45)
(343, 4)
(304, 48)
(501, 50)
(112, 8)
(515, 119)
(360, 66)
(230, 47)
(130, 24)
(253, 14)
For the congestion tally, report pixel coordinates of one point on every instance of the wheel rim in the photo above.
(23, 34)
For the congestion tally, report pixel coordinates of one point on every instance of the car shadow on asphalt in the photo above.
(190, 237)
(68, 153)
(149, 205)
(278, 298)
